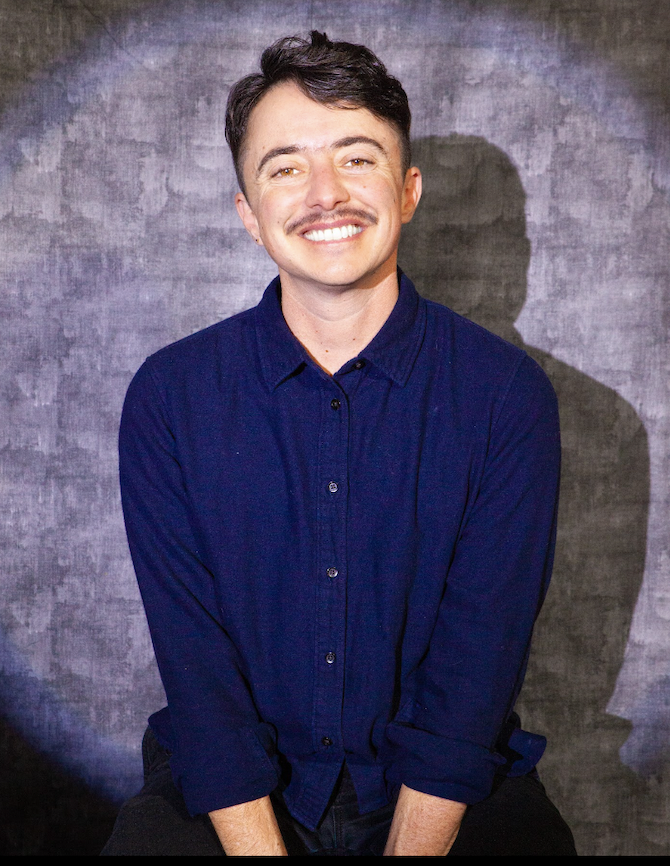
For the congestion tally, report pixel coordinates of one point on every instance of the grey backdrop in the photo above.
(541, 127)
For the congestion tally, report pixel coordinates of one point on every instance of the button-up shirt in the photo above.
(341, 568)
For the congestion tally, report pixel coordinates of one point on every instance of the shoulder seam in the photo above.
(154, 382)
(503, 398)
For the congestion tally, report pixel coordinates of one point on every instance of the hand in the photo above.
(423, 825)
(249, 829)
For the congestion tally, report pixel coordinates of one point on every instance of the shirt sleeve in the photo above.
(444, 737)
(221, 752)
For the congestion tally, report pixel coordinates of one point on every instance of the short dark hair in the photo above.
(332, 73)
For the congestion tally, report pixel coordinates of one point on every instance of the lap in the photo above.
(516, 819)
(156, 821)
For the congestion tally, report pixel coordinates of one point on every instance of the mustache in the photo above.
(331, 216)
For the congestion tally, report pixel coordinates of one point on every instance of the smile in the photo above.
(335, 234)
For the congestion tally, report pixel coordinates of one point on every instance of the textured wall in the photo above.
(542, 131)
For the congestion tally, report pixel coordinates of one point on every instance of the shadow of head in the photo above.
(466, 246)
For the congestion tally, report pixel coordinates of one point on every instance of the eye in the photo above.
(287, 171)
(359, 162)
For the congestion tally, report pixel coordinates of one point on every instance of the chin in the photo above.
(345, 274)
(326, 273)
(339, 279)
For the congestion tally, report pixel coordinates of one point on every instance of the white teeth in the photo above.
(336, 234)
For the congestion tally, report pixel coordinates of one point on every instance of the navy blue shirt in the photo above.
(341, 567)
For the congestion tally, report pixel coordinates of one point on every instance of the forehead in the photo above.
(285, 116)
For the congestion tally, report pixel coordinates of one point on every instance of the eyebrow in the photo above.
(285, 150)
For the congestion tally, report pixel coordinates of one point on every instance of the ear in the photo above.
(411, 193)
(248, 217)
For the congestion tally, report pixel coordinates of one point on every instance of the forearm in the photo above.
(249, 829)
(423, 825)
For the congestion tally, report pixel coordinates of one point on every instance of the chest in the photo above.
(379, 454)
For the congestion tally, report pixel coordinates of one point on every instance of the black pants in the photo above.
(516, 819)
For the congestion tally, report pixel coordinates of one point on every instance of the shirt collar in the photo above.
(393, 350)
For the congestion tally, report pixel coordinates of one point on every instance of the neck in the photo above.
(334, 324)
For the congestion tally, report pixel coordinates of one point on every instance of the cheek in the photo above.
(276, 209)
(382, 194)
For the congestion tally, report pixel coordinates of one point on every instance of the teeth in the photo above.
(336, 234)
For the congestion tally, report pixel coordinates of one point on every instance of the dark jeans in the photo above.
(516, 819)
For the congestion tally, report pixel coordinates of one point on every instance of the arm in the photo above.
(444, 738)
(423, 825)
(249, 829)
(220, 748)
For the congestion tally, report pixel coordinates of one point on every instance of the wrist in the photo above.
(249, 829)
(423, 825)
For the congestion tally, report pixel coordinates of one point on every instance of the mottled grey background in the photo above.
(542, 130)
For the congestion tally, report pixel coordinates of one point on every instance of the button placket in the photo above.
(330, 587)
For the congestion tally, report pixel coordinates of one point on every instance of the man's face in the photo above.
(326, 194)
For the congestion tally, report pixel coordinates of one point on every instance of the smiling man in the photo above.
(341, 509)
(327, 190)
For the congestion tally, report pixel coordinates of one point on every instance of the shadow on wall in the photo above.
(467, 248)
(43, 810)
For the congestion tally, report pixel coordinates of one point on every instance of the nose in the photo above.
(326, 187)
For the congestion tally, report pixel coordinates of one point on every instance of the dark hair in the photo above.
(332, 73)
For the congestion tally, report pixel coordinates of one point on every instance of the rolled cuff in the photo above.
(453, 769)
(236, 767)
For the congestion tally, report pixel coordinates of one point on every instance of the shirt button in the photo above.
(332, 572)
(335, 403)
(359, 365)
(330, 658)
(332, 487)
(326, 741)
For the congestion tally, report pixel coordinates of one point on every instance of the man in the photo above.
(341, 509)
